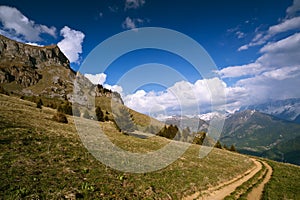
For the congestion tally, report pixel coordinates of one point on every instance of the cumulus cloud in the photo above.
(134, 4)
(100, 79)
(114, 88)
(96, 78)
(183, 97)
(132, 23)
(16, 24)
(71, 44)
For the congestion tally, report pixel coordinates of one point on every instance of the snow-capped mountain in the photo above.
(209, 116)
(288, 109)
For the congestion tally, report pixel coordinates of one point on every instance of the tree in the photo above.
(218, 145)
(99, 114)
(39, 103)
(232, 148)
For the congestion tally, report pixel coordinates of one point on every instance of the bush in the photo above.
(39, 103)
(99, 114)
(60, 117)
(65, 108)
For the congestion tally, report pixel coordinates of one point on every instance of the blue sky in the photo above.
(254, 44)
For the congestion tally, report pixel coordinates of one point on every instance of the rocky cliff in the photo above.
(31, 71)
(22, 63)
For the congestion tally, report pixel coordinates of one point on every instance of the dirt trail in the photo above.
(224, 189)
(256, 193)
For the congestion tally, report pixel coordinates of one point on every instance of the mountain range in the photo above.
(288, 109)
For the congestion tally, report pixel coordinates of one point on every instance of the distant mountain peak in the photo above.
(287, 109)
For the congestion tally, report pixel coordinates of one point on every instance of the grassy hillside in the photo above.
(285, 182)
(44, 159)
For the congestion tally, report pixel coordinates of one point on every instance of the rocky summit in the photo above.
(40, 71)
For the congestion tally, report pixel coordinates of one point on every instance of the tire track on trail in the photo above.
(257, 192)
(224, 189)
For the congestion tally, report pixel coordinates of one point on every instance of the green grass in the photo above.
(44, 159)
(284, 183)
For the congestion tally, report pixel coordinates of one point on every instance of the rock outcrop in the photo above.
(45, 71)
(23, 63)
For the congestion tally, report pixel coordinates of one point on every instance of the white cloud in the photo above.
(293, 9)
(243, 70)
(71, 45)
(100, 79)
(183, 97)
(16, 24)
(134, 4)
(130, 23)
(286, 45)
(285, 52)
(114, 88)
(96, 78)
(34, 44)
(274, 75)
(283, 73)
(289, 24)
(240, 34)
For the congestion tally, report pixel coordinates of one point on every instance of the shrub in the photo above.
(65, 108)
(39, 103)
(99, 114)
(60, 117)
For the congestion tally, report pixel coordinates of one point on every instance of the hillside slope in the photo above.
(41, 158)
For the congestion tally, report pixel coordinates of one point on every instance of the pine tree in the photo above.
(218, 145)
(232, 148)
(39, 103)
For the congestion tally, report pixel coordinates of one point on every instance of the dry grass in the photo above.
(40, 158)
